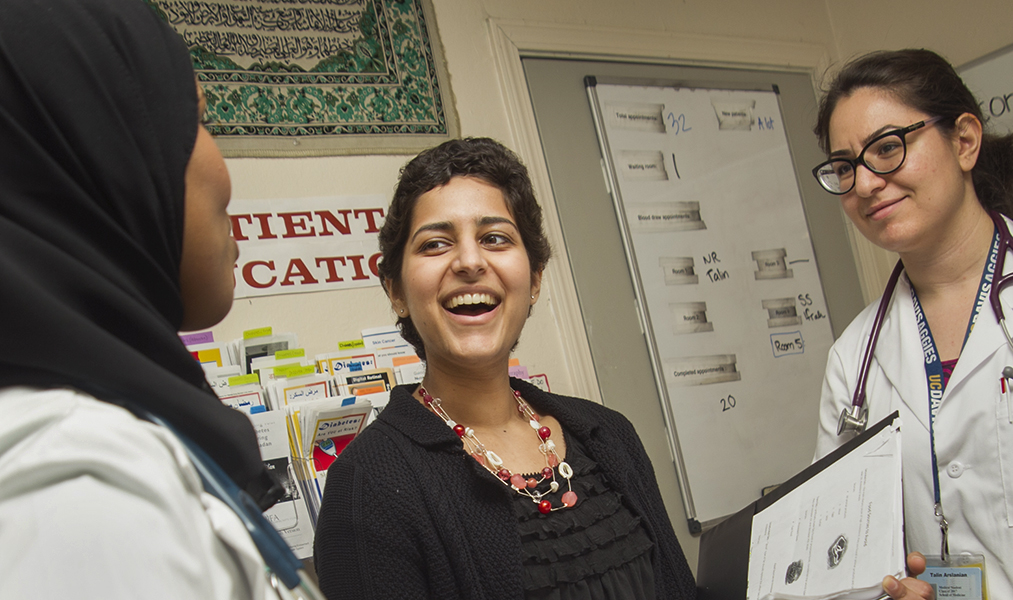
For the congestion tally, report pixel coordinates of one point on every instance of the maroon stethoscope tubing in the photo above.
(857, 418)
(1005, 244)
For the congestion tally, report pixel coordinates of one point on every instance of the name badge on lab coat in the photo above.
(962, 577)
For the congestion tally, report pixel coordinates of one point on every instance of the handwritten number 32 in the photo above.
(677, 124)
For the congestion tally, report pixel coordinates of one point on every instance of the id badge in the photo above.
(962, 577)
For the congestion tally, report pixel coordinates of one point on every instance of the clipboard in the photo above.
(723, 565)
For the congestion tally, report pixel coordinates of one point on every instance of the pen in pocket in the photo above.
(1007, 390)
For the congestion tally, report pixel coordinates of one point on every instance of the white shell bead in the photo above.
(565, 470)
(451, 423)
(550, 445)
(493, 459)
(534, 424)
(553, 487)
(468, 431)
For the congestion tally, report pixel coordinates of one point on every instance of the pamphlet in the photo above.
(837, 534)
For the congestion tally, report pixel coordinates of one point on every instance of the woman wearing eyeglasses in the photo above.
(917, 176)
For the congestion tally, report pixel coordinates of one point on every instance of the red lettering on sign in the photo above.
(369, 212)
(237, 228)
(297, 220)
(265, 226)
(297, 268)
(248, 274)
(332, 270)
(327, 216)
(357, 265)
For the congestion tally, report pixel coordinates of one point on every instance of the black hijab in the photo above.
(98, 118)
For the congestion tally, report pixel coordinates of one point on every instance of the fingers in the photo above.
(915, 563)
(908, 588)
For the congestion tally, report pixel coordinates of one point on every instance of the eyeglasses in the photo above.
(884, 154)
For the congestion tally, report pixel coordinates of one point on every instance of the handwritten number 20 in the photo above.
(727, 403)
(677, 124)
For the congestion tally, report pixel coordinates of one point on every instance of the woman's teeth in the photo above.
(470, 299)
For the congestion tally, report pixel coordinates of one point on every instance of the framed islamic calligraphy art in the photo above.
(317, 77)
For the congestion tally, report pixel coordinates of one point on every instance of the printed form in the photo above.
(836, 535)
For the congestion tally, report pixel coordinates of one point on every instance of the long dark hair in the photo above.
(925, 81)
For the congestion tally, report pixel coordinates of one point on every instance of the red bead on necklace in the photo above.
(492, 463)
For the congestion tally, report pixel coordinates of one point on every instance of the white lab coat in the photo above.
(974, 435)
(95, 503)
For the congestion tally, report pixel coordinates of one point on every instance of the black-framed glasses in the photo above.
(884, 154)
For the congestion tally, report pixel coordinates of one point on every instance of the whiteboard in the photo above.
(990, 78)
(725, 275)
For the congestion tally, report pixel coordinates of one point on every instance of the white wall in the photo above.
(960, 31)
(481, 40)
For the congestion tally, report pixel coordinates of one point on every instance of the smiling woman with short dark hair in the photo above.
(473, 484)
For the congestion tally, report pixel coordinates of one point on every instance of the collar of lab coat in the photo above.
(903, 364)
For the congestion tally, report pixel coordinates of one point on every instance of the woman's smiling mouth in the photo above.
(471, 304)
(877, 210)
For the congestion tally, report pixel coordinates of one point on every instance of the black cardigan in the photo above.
(407, 513)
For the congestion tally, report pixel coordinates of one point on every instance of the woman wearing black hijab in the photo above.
(113, 236)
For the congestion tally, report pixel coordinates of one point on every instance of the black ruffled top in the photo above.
(595, 550)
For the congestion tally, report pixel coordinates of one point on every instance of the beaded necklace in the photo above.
(492, 463)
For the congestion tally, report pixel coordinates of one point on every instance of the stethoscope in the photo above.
(857, 417)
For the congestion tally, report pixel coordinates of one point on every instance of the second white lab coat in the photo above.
(973, 429)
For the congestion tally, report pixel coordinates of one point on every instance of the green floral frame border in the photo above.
(387, 94)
